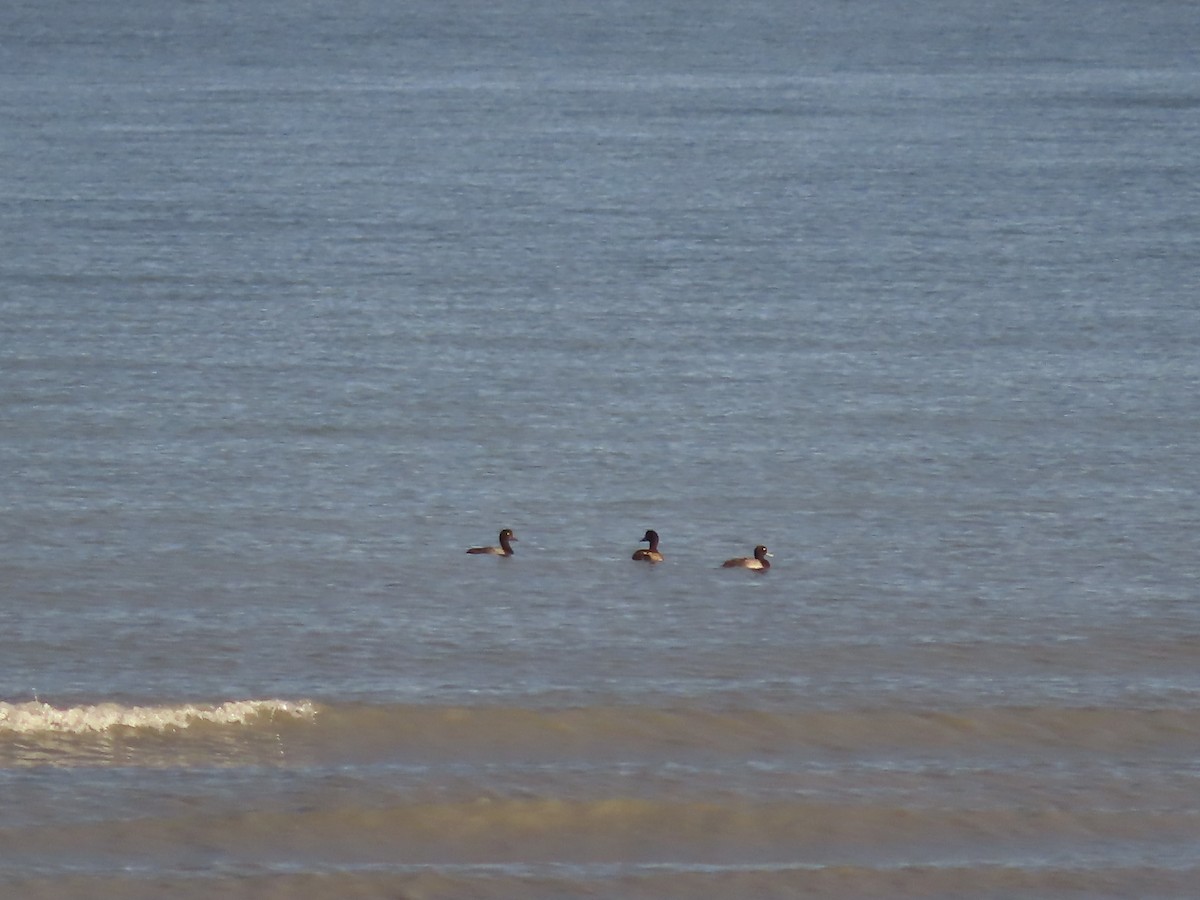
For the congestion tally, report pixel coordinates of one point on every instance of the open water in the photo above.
(298, 300)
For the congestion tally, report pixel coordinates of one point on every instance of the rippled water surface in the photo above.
(301, 301)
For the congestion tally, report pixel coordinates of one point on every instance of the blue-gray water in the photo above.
(300, 300)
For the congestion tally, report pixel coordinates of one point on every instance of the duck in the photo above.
(758, 562)
(650, 555)
(505, 548)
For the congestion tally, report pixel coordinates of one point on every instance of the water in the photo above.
(301, 300)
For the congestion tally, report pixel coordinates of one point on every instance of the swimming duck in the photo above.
(758, 562)
(505, 548)
(651, 555)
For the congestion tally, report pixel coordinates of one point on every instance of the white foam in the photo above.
(35, 716)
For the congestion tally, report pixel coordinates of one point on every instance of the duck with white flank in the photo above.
(758, 562)
(505, 548)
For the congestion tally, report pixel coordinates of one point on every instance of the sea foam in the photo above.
(35, 716)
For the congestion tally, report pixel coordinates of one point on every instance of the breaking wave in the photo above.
(35, 717)
(265, 729)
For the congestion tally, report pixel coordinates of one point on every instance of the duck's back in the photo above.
(744, 562)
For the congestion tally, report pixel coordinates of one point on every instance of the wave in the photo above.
(34, 717)
(600, 801)
(187, 735)
(303, 731)
(625, 831)
(677, 732)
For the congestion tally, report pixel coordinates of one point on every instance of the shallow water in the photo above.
(300, 302)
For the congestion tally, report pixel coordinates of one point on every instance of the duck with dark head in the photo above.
(650, 554)
(505, 548)
(758, 562)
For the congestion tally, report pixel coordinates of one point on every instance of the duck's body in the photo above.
(505, 548)
(758, 562)
(650, 554)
